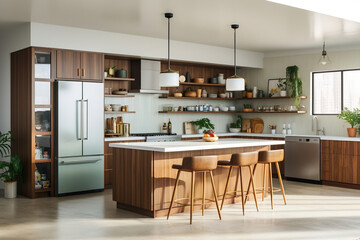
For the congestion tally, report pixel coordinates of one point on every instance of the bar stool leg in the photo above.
(264, 178)
(236, 183)
(215, 195)
(248, 189)
(242, 192)
(203, 193)
(280, 180)
(253, 187)
(226, 187)
(271, 186)
(173, 195)
(192, 195)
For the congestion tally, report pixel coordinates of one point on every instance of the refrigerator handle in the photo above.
(78, 119)
(86, 119)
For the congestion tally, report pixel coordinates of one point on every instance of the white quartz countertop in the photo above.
(195, 145)
(331, 138)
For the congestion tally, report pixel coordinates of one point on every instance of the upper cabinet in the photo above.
(79, 65)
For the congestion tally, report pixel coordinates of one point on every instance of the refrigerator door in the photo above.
(80, 174)
(93, 120)
(69, 132)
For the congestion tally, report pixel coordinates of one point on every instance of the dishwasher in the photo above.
(302, 159)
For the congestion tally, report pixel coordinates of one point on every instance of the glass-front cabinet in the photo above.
(43, 153)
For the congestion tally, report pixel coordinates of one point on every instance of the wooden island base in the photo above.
(144, 180)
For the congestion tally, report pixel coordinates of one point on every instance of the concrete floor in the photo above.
(313, 212)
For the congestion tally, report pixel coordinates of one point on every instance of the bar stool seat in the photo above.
(203, 164)
(240, 160)
(268, 158)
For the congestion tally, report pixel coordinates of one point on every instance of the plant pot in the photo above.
(352, 132)
(10, 189)
(283, 93)
(249, 94)
(111, 72)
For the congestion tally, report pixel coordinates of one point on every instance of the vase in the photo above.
(10, 189)
(198, 93)
(187, 77)
(352, 132)
(283, 93)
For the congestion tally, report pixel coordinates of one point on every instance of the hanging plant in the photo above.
(294, 83)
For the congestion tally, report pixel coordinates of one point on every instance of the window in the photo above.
(335, 90)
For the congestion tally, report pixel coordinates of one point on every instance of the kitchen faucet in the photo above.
(315, 118)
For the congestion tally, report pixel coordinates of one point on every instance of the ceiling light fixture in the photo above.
(324, 59)
(235, 83)
(169, 78)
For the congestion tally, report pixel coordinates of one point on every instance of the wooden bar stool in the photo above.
(240, 160)
(267, 158)
(196, 164)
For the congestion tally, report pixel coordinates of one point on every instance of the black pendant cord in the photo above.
(168, 43)
(235, 51)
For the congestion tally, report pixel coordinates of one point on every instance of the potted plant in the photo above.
(294, 82)
(282, 87)
(235, 127)
(11, 171)
(353, 118)
(249, 93)
(203, 123)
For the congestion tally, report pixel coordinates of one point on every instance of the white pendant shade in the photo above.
(169, 79)
(235, 83)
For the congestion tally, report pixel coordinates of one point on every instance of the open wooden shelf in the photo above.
(119, 96)
(49, 189)
(118, 112)
(296, 112)
(272, 98)
(199, 112)
(202, 98)
(119, 79)
(42, 133)
(44, 160)
(203, 84)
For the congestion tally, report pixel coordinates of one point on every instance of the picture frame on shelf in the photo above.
(273, 89)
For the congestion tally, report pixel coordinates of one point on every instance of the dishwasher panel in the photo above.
(302, 158)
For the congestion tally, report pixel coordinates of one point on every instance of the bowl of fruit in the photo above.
(210, 136)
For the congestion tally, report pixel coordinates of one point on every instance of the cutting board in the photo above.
(257, 125)
(246, 123)
(189, 128)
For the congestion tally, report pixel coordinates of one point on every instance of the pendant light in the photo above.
(235, 83)
(324, 59)
(169, 78)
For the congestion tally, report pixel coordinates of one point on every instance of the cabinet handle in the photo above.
(78, 72)
(83, 72)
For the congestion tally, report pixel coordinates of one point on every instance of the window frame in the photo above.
(341, 93)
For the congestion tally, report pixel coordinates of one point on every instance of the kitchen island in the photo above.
(143, 178)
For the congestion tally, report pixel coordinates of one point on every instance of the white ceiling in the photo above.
(264, 26)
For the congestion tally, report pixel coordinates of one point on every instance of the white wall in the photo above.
(274, 67)
(12, 38)
(54, 36)
(147, 118)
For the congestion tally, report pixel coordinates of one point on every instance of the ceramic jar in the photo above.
(221, 79)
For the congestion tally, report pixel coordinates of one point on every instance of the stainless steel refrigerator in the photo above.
(79, 138)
